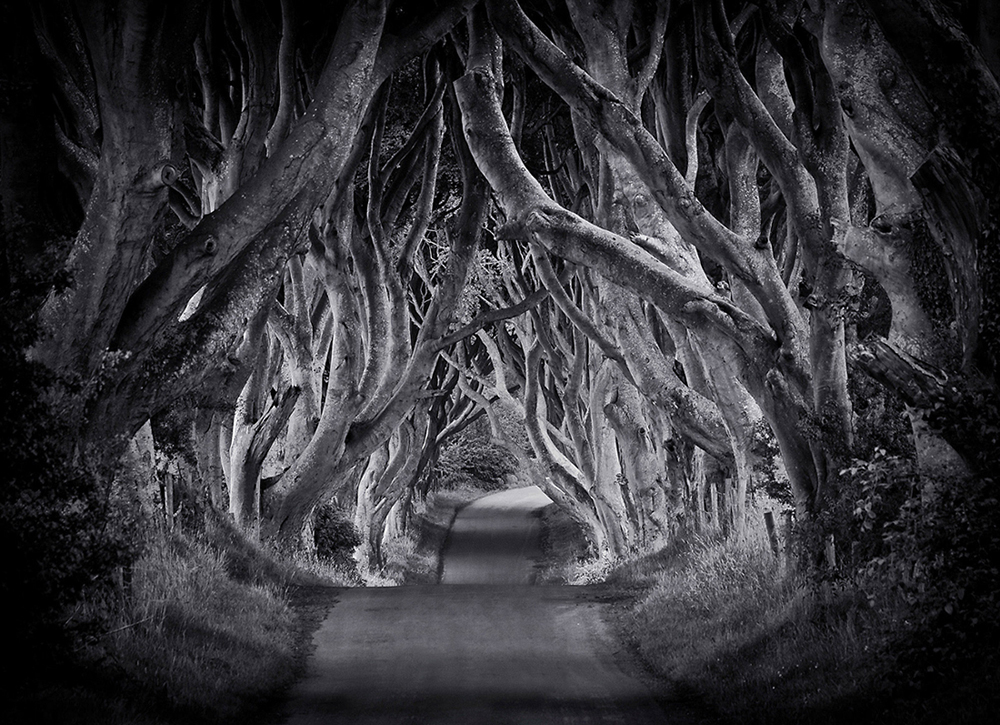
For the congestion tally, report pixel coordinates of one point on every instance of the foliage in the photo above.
(926, 554)
(865, 496)
(720, 617)
(472, 459)
(942, 560)
(967, 413)
(909, 618)
(768, 472)
(881, 419)
(335, 535)
(66, 530)
(869, 487)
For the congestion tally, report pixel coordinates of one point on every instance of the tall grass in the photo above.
(723, 619)
(199, 631)
(207, 643)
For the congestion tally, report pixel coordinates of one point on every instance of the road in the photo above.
(496, 539)
(484, 647)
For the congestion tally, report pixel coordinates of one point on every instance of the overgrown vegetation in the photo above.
(335, 537)
(903, 627)
(718, 616)
(902, 630)
(113, 617)
(59, 525)
(197, 627)
(209, 642)
(472, 459)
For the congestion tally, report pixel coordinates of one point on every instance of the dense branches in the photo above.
(645, 232)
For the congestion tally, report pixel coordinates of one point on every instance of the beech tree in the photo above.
(209, 137)
(324, 239)
(783, 321)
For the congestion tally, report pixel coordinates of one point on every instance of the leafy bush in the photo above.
(926, 555)
(865, 497)
(64, 529)
(335, 535)
(472, 459)
(768, 473)
(943, 561)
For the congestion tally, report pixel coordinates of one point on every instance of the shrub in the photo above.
(926, 555)
(66, 531)
(768, 472)
(472, 459)
(335, 535)
(942, 559)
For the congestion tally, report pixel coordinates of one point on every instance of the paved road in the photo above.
(495, 540)
(486, 647)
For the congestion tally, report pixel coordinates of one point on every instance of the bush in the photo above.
(335, 535)
(472, 459)
(926, 556)
(66, 531)
(942, 560)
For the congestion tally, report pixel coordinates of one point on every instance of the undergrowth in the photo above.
(728, 620)
(565, 551)
(209, 642)
(199, 630)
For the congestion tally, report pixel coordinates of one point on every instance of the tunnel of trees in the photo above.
(278, 253)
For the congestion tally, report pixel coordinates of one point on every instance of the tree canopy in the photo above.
(673, 252)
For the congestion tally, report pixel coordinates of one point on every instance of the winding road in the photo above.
(484, 647)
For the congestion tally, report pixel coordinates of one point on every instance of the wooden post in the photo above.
(713, 504)
(729, 512)
(698, 482)
(167, 498)
(830, 551)
(788, 560)
(772, 534)
(788, 531)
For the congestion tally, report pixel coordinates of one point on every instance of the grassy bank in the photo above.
(203, 631)
(726, 623)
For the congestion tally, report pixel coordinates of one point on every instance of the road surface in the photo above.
(484, 647)
(496, 539)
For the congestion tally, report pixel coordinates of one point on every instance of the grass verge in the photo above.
(208, 628)
(720, 620)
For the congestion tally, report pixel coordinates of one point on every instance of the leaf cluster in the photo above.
(335, 535)
(943, 560)
(64, 531)
(471, 458)
(927, 553)
(768, 475)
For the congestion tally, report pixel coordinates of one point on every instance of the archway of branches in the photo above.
(667, 250)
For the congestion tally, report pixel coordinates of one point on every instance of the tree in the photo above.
(325, 239)
(203, 185)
